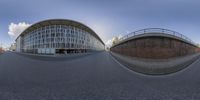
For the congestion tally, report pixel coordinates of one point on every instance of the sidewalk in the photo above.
(56, 57)
(156, 67)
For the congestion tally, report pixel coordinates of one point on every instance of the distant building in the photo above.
(1, 50)
(13, 47)
(58, 36)
(1, 47)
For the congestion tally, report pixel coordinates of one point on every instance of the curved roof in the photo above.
(60, 22)
(148, 32)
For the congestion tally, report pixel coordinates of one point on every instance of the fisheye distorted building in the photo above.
(58, 36)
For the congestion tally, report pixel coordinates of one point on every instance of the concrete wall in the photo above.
(46, 51)
(154, 48)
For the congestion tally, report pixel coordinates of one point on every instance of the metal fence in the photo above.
(157, 30)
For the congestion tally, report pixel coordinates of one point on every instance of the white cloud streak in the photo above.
(15, 29)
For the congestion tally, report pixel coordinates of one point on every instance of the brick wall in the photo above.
(155, 48)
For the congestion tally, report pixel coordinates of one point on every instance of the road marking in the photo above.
(169, 75)
(189, 66)
(123, 66)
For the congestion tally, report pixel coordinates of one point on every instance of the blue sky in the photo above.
(108, 18)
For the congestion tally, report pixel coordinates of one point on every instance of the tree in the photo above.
(115, 40)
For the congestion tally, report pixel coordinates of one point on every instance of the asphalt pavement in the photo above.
(96, 76)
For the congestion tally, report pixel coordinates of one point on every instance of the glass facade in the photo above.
(60, 39)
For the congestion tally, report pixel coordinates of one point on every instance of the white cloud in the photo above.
(15, 29)
(109, 43)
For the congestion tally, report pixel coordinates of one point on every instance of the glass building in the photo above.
(58, 36)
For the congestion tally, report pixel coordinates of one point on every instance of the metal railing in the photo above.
(157, 30)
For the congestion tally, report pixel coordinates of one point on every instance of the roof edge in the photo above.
(73, 21)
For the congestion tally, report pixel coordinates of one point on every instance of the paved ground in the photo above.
(92, 77)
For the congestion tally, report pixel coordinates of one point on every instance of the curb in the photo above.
(53, 57)
(155, 70)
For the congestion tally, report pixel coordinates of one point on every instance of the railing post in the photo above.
(164, 31)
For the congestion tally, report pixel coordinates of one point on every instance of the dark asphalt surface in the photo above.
(93, 77)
